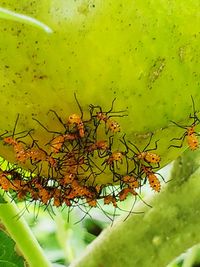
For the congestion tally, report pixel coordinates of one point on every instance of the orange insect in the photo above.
(78, 191)
(22, 193)
(152, 178)
(57, 202)
(105, 116)
(11, 141)
(191, 137)
(77, 120)
(17, 145)
(192, 141)
(124, 193)
(68, 178)
(74, 119)
(67, 202)
(112, 161)
(113, 126)
(5, 182)
(22, 154)
(57, 198)
(44, 195)
(36, 154)
(58, 141)
(52, 161)
(131, 181)
(91, 202)
(110, 199)
(190, 134)
(19, 150)
(16, 185)
(98, 145)
(94, 195)
(116, 156)
(82, 191)
(144, 155)
(34, 195)
(71, 163)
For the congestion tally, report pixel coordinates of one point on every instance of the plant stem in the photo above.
(160, 234)
(191, 256)
(63, 234)
(20, 232)
(10, 15)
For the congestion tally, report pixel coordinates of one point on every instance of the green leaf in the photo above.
(2, 200)
(8, 255)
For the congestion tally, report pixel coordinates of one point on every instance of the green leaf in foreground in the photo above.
(2, 200)
(8, 255)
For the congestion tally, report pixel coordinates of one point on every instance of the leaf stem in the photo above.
(10, 15)
(22, 235)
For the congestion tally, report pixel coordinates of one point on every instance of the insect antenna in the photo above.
(84, 211)
(79, 106)
(131, 210)
(195, 117)
(15, 125)
(183, 127)
(144, 201)
(44, 127)
(58, 117)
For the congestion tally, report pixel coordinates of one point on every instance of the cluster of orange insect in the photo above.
(145, 162)
(77, 157)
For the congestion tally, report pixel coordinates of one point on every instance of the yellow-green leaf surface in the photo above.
(144, 53)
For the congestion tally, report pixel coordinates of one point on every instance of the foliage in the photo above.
(103, 52)
(8, 255)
